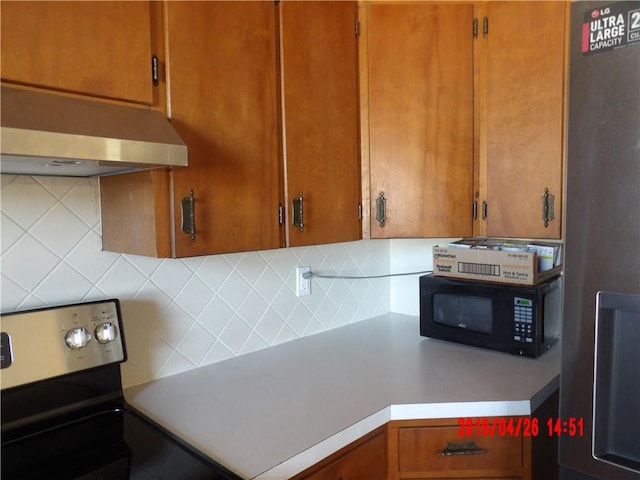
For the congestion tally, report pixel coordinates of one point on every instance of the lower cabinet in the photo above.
(496, 448)
(364, 459)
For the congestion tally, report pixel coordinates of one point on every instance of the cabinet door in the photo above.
(100, 49)
(223, 93)
(420, 80)
(365, 460)
(524, 117)
(321, 117)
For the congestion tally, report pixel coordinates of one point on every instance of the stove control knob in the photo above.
(77, 338)
(106, 332)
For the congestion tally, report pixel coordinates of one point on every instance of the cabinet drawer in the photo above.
(420, 450)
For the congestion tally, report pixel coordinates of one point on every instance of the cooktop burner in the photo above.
(64, 416)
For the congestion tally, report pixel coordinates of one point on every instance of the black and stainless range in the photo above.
(64, 415)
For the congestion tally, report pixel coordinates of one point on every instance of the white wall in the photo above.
(178, 313)
(410, 255)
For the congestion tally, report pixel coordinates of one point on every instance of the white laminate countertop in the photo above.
(272, 413)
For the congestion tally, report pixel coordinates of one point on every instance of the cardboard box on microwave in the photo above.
(499, 266)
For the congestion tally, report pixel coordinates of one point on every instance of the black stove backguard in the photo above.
(63, 412)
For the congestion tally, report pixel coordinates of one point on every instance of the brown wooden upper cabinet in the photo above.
(101, 49)
(521, 51)
(465, 118)
(420, 94)
(321, 120)
(222, 88)
(264, 94)
(222, 65)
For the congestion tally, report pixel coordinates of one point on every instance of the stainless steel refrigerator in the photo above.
(599, 422)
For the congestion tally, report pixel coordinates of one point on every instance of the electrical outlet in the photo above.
(303, 285)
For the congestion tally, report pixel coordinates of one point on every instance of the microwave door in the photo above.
(466, 312)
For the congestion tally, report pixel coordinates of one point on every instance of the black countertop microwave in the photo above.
(518, 319)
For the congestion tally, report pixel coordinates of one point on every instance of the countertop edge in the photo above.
(323, 449)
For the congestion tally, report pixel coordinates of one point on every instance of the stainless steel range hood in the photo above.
(45, 134)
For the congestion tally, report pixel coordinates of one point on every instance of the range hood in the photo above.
(46, 134)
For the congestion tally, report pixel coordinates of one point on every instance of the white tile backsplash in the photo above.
(178, 313)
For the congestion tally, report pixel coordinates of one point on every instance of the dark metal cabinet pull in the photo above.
(462, 448)
(381, 209)
(298, 212)
(155, 70)
(188, 223)
(548, 208)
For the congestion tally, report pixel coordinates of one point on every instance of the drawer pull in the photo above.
(462, 448)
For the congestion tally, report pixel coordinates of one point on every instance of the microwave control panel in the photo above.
(523, 320)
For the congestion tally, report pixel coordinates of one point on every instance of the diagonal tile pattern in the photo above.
(179, 313)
